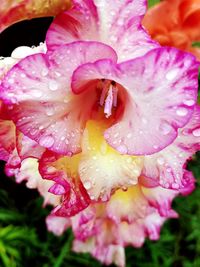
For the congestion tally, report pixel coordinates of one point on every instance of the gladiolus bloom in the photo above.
(113, 119)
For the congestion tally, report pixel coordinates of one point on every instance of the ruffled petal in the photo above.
(39, 94)
(150, 121)
(13, 11)
(27, 147)
(57, 225)
(133, 202)
(29, 172)
(107, 255)
(103, 228)
(7, 139)
(63, 171)
(117, 23)
(102, 170)
(168, 166)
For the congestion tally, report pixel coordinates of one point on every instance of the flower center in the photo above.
(108, 98)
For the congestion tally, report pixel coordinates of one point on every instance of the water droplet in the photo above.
(23, 75)
(66, 142)
(175, 186)
(172, 74)
(104, 148)
(165, 128)
(185, 132)
(51, 169)
(136, 172)
(116, 135)
(45, 72)
(36, 93)
(57, 74)
(122, 149)
(46, 141)
(144, 121)
(53, 85)
(106, 135)
(50, 111)
(180, 155)
(189, 102)
(196, 132)
(181, 111)
(11, 80)
(166, 185)
(160, 161)
(33, 131)
(124, 188)
(129, 135)
(87, 185)
(92, 197)
(169, 169)
(129, 159)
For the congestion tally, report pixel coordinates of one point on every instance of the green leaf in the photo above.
(152, 2)
(196, 44)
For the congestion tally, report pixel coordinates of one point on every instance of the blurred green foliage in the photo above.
(152, 2)
(25, 242)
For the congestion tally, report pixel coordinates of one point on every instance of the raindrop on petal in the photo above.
(46, 141)
(181, 112)
(172, 74)
(160, 161)
(87, 185)
(53, 85)
(122, 149)
(196, 132)
(165, 128)
(37, 93)
(189, 102)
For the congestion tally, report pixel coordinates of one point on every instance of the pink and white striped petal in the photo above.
(101, 226)
(116, 23)
(63, 171)
(57, 225)
(39, 94)
(7, 139)
(102, 169)
(29, 172)
(168, 166)
(161, 91)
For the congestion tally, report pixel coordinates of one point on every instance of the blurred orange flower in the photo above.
(175, 23)
(12, 11)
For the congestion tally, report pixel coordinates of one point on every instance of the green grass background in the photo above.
(25, 242)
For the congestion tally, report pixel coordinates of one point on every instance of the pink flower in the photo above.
(105, 229)
(114, 118)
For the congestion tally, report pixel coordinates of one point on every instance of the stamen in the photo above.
(103, 94)
(108, 97)
(109, 102)
(115, 91)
